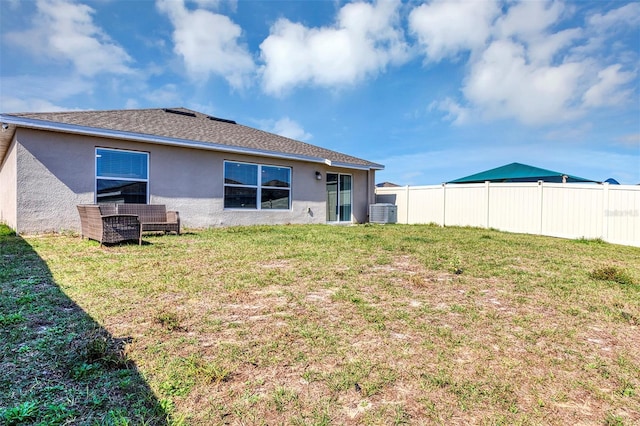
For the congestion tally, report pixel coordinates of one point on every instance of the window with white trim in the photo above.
(122, 176)
(256, 186)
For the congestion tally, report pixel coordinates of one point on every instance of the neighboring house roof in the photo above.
(176, 126)
(386, 185)
(517, 172)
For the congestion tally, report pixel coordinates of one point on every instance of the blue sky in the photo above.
(433, 90)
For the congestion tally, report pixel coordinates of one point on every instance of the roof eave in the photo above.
(339, 164)
(161, 140)
(7, 133)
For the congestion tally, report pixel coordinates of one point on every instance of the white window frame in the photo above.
(96, 177)
(259, 187)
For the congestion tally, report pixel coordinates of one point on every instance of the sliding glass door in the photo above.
(338, 197)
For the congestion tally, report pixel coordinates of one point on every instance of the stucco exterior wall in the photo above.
(56, 171)
(52, 171)
(8, 188)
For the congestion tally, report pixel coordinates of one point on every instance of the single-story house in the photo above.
(214, 171)
(518, 172)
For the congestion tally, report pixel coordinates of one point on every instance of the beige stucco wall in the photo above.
(53, 176)
(8, 188)
(56, 171)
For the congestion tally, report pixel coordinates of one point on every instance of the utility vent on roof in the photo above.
(176, 111)
(222, 120)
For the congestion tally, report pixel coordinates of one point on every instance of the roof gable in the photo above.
(518, 172)
(184, 127)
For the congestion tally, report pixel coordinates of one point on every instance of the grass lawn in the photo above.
(320, 325)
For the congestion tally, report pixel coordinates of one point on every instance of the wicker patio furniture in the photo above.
(101, 223)
(153, 217)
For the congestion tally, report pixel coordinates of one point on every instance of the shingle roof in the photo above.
(182, 126)
(387, 185)
(518, 172)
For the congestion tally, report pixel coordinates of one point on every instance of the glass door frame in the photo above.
(339, 195)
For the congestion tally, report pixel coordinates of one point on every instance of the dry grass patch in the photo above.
(367, 324)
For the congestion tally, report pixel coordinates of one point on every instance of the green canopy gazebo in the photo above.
(518, 172)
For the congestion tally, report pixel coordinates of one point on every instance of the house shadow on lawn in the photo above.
(57, 365)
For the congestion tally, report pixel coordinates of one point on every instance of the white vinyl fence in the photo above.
(609, 212)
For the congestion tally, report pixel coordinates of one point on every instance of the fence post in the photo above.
(541, 211)
(406, 205)
(605, 211)
(444, 203)
(486, 186)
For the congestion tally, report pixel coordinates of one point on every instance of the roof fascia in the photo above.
(372, 166)
(161, 140)
(356, 166)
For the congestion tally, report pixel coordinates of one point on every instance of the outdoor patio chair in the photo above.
(101, 224)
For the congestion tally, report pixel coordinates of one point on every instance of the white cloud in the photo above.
(445, 28)
(524, 61)
(56, 87)
(529, 23)
(606, 32)
(208, 43)
(365, 39)
(288, 128)
(132, 104)
(455, 112)
(626, 15)
(543, 49)
(64, 30)
(208, 4)
(216, 4)
(609, 88)
(13, 104)
(631, 140)
(502, 84)
(528, 19)
(26, 93)
(166, 95)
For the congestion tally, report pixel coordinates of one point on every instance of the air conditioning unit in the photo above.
(383, 213)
